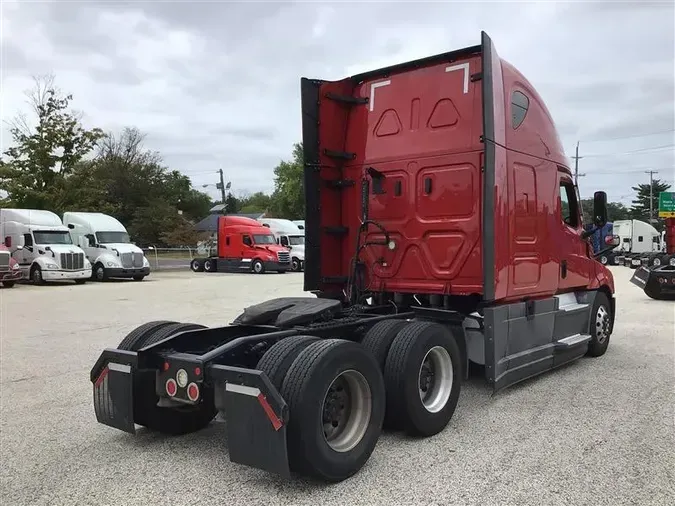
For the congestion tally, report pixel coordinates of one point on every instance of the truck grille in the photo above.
(4, 261)
(130, 260)
(72, 261)
(284, 257)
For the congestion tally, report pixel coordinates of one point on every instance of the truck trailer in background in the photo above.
(42, 246)
(106, 243)
(637, 240)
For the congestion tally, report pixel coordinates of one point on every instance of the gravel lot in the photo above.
(600, 431)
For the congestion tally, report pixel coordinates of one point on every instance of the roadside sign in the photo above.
(667, 205)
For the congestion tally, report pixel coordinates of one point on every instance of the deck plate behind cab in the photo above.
(289, 311)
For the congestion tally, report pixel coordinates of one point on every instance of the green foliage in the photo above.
(288, 199)
(259, 202)
(640, 208)
(615, 210)
(33, 169)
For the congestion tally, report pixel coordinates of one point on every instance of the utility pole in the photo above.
(576, 165)
(651, 193)
(221, 185)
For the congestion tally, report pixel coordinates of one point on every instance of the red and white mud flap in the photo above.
(257, 417)
(113, 396)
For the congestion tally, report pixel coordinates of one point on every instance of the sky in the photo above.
(217, 84)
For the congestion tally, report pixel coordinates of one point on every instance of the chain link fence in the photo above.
(169, 258)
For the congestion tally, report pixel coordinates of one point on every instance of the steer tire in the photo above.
(600, 325)
(134, 339)
(402, 374)
(306, 386)
(172, 421)
(278, 359)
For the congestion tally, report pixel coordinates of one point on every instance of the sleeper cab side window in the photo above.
(519, 106)
(569, 206)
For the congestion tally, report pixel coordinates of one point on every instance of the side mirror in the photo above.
(612, 240)
(599, 209)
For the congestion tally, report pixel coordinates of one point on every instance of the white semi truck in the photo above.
(107, 246)
(288, 234)
(637, 239)
(42, 246)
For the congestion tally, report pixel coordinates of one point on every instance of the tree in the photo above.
(258, 202)
(640, 208)
(615, 210)
(288, 199)
(33, 170)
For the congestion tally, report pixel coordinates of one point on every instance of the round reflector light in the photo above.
(193, 391)
(182, 378)
(171, 387)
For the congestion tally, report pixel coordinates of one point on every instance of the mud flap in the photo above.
(114, 397)
(257, 417)
(640, 277)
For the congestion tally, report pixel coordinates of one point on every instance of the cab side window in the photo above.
(569, 205)
(519, 106)
(91, 240)
(247, 240)
(284, 240)
(28, 240)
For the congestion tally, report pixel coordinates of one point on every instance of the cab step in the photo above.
(572, 341)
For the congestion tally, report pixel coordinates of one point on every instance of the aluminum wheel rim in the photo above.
(657, 262)
(602, 324)
(195, 265)
(346, 411)
(257, 267)
(207, 265)
(100, 273)
(435, 379)
(37, 275)
(603, 260)
(296, 265)
(672, 262)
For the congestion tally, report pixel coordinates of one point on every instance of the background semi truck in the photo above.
(10, 272)
(42, 246)
(443, 228)
(107, 245)
(289, 235)
(637, 240)
(244, 245)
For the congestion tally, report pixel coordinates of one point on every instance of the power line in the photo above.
(635, 151)
(636, 136)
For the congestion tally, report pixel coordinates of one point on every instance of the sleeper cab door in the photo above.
(246, 256)
(575, 267)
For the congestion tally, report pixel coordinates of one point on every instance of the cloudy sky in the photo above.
(216, 84)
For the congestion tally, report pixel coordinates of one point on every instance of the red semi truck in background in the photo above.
(9, 268)
(244, 245)
(443, 228)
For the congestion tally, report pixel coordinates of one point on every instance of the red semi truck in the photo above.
(244, 245)
(443, 228)
(9, 268)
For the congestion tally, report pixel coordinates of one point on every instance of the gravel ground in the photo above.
(597, 432)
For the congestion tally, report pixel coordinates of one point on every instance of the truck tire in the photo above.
(172, 421)
(197, 265)
(8, 284)
(295, 265)
(210, 265)
(136, 336)
(600, 325)
(258, 267)
(604, 259)
(655, 262)
(423, 375)
(379, 337)
(337, 382)
(99, 273)
(278, 359)
(36, 275)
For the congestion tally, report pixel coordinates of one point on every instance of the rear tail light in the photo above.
(193, 392)
(171, 387)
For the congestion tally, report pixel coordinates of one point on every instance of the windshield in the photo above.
(264, 239)
(51, 237)
(296, 240)
(111, 237)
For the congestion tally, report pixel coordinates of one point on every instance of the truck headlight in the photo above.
(145, 262)
(111, 264)
(15, 267)
(51, 266)
(87, 264)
